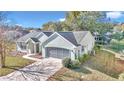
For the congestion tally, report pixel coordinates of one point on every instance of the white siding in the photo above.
(42, 39)
(59, 42)
(88, 42)
(18, 48)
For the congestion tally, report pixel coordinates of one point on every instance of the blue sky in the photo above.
(116, 16)
(37, 18)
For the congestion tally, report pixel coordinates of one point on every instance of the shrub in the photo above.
(67, 62)
(83, 58)
(121, 76)
(75, 63)
(97, 47)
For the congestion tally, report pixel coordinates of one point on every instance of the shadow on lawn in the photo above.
(82, 70)
(28, 71)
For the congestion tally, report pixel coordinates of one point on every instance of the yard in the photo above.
(104, 62)
(116, 46)
(13, 63)
(102, 66)
(65, 74)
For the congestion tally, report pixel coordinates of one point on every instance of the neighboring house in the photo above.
(102, 39)
(57, 44)
(68, 44)
(12, 35)
(32, 42)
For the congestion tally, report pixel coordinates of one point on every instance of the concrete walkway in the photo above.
(38, 71)
(31, 58)
(117, 55)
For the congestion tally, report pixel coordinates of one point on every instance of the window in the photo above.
(82, 48)
(22, 45)
(78, 52)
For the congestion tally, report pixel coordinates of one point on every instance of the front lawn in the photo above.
(65, 74)
(13, 63)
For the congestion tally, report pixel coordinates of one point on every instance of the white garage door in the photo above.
(57, 52)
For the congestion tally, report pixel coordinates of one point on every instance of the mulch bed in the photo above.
(16, 53)
(121, 61)
(58, 73)
(39, 56)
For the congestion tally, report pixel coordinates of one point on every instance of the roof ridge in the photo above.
(72, 31)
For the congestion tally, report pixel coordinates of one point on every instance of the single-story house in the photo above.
(32, 42)
(68, 44)
(102, 39)
(57, 44)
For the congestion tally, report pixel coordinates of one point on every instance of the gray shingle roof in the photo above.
(34, 34)
(30, 35)
(47, 33)
(35, 39)
(74, 37)
(69, 36)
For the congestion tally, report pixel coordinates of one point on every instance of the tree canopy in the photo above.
(81, 20)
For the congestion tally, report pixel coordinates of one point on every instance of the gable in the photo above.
(87, 39)
(43, 38)
(69, 36)
(58, 41)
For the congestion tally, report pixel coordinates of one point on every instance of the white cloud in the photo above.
(8, 21)
(18, 24)
(62, 19)
(114, 14)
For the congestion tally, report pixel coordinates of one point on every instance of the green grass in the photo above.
(13, 63)
(116, 46)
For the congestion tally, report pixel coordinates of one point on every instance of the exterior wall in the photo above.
(31, 47)
(42, 39)
(18, 47)
(88, 43)
(72, 55)
(59, 42)
(79, 51)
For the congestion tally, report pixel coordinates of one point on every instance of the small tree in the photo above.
(3, 41)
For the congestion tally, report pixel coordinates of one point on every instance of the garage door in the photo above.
(57, 52)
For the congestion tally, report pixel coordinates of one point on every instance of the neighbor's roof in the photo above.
(74, 37)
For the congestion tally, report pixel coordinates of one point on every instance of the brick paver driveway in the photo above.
(36, 71)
